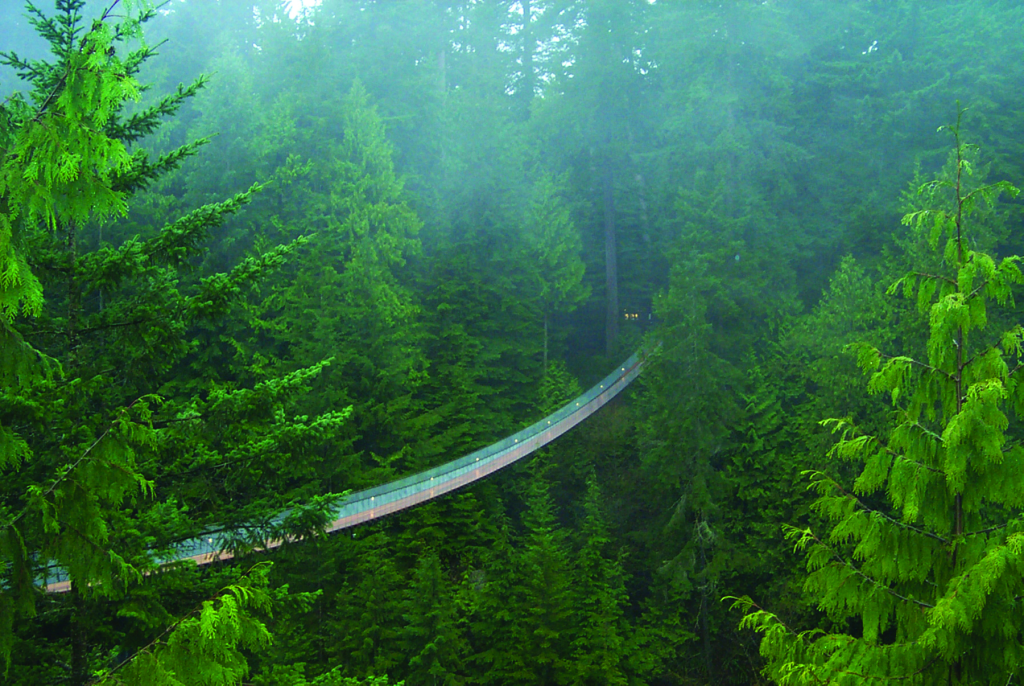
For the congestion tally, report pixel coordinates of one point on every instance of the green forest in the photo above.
(256, 255)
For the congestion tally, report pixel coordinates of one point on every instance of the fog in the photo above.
(328, 245)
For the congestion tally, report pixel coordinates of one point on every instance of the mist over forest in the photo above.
(261, 259)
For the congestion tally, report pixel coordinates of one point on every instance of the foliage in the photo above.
(943, 608)
(599, 597)
(109, 450)
(205, 647)
(431, 212)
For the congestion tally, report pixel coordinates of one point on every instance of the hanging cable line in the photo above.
(374, 503)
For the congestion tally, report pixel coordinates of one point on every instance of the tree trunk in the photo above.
(611, 267)
(74, 294)
(442, 71)
(79, 642)
(526, 86)
(704, 608)
(545, 342)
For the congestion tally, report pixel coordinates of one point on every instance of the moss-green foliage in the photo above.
(433, 642)
(601, 647)
(415, 230)
(344, 298)
(206, 647)
(59, 161)
(924, 555)
(112, 451)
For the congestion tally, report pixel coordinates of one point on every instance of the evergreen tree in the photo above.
(346, 299)
(528, 616)
(553, 248)
(109, 453)
(923, 566)
(598, 601)
(366, 621)
(593, 120)
(432, 640)
(495, 659)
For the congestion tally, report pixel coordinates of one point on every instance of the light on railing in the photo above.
(602, 385)
(372, 497)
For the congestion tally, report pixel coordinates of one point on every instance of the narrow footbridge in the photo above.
(374, 503)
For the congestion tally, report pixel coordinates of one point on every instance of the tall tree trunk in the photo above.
(611, 267)
(545, 342)
(79, 641)
(442, 71)
(704, 608)
(74, 294)
(526, 86)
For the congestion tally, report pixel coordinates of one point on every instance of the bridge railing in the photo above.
(379, 501)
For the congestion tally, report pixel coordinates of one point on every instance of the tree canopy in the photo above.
(256, 254)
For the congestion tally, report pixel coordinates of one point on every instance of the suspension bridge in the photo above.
(374, 503)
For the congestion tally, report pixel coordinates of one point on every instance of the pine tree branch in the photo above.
(904, 458)
(935, 277)
(159, 640)
(120, 325)
(868, 508)
(61, 480)
(894, 678)
(785, 626)
(926, 430)
(988, 530)
(877, 584)
(143, 172)
(68, 526)
(900, 524)
(977, 290)
(899, 456)
(53, 92)
(912, 361)
(70, 471)
(143, 123)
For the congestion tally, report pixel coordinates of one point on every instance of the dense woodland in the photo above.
(255, 255)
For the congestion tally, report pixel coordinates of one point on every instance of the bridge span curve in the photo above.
(374, 503)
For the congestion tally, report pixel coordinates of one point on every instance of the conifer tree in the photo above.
(598, 600)
(553, 248)
(431, 638)
(494, 617)
(366, 620)
(544, 592)
(345, 298)
(525, 616)
(109, 452)
(923, 569)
